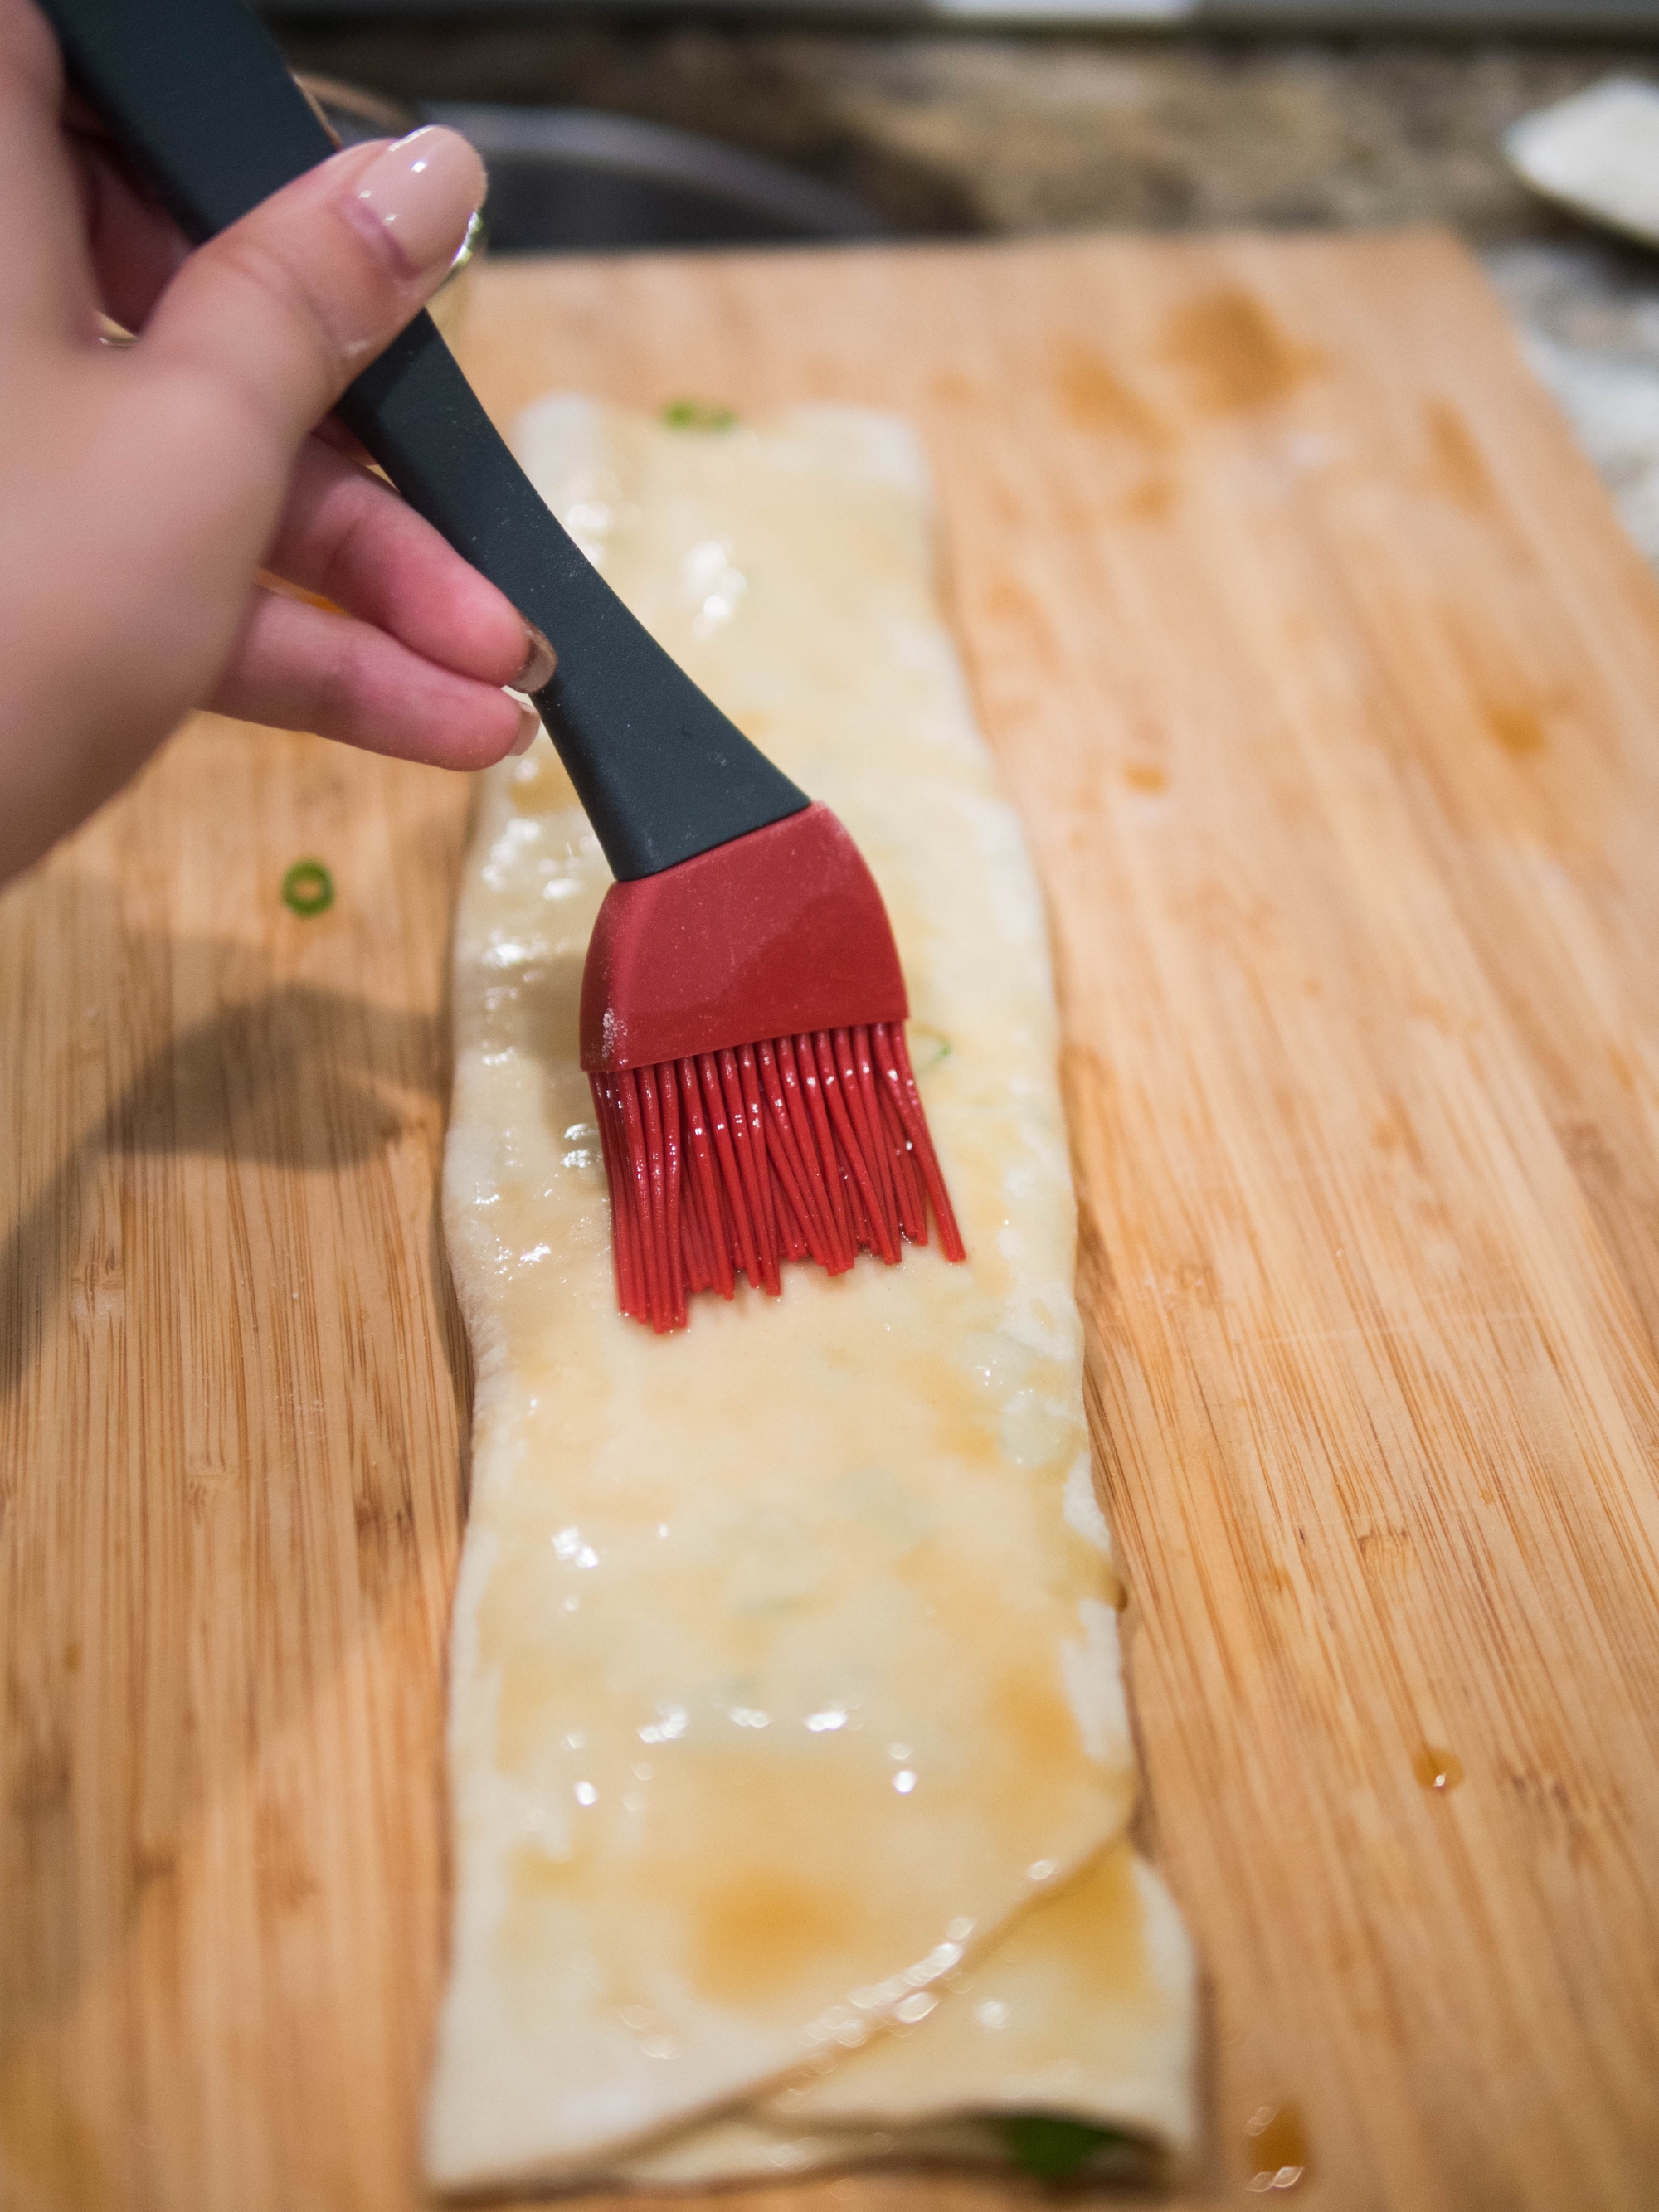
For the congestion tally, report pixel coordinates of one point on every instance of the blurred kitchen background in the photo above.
(653, 123)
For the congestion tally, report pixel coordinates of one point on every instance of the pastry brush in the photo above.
(743, 1006)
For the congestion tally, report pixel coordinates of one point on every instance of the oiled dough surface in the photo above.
(785, 1667)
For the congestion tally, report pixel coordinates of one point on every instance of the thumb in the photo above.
(285, 308)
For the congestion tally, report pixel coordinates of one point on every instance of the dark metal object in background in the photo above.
(569, 181)
(565, 179)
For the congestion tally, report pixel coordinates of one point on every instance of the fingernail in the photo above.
(539, 662)
(420, 194)
(530, 723)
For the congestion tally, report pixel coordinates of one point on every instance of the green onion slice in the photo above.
(308, 888)
(1049, 2147)
(698, 415)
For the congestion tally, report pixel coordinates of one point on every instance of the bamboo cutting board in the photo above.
(1329, 689)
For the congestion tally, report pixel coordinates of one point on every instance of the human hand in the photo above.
(142, 486)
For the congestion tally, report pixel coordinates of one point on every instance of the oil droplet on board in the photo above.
(1275, 2149)
(1437, 1769)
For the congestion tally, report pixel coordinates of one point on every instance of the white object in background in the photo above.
(1065, 11)
(1597, 154)
(1590, 323)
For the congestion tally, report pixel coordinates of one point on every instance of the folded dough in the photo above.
(787, 1743)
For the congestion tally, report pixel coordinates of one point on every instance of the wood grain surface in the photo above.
(1329, 689)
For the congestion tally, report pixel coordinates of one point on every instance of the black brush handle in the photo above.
(197, 92)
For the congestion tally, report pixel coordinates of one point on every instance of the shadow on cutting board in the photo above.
(287, 1080)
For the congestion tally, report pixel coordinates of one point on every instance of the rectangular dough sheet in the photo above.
(788, 1752)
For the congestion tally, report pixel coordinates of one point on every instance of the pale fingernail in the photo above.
(420, 194)
(530, 723)
(539, 662)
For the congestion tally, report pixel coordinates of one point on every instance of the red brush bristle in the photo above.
(803, 1147)
(726, 1159)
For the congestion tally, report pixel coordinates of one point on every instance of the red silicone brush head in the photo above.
(743, 1026)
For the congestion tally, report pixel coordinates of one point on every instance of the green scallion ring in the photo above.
(698, 415)
(1051, 2148)
(307, 889)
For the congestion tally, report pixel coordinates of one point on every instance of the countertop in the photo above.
(1039, 134)
(985, 132)
(990, 132)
